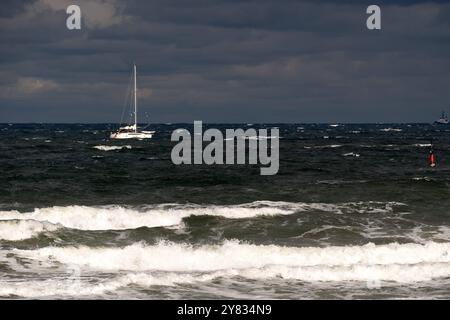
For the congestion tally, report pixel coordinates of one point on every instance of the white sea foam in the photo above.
(333, 146)
(422, 145)
(443, 233)
(422, 179)
(111, 286)
(117, 217)
(120, 218)
(261, 137)
(73, 287)
(56, 287)
(324, 146)
(391, 129)
(391, 262)
(111, 148)
(16, 230)
(351, 154)
(254, 138)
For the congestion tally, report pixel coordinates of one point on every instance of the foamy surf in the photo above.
(121, 218)
(391, 262)
(118, 285)
(16, 230)
(73, 287)
(169, 215)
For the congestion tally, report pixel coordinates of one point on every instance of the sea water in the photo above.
(357, 214)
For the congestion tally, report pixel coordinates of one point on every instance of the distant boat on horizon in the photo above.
(131, 131)
(443, 119)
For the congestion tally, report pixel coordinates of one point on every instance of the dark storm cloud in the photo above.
(10, 8)
(230, 61)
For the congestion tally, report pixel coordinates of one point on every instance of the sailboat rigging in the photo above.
(131, 131)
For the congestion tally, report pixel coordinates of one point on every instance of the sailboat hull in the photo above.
(132, 135)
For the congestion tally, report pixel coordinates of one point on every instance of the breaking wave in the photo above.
(16, 230)
(166, 215)
(391, 262)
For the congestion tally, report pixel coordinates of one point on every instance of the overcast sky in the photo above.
(225, 61)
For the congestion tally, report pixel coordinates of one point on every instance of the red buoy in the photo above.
(432, 159)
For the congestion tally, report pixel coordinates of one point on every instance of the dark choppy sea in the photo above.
(354, 212)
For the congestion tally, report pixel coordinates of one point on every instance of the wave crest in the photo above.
(111, 148)
(167, 215)
(16, 230)
(391, 262)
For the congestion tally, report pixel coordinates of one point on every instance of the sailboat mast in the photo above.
(135, 101)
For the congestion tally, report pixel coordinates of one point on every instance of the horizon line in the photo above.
(215, 122)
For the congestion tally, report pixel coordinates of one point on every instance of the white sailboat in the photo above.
(131, 131)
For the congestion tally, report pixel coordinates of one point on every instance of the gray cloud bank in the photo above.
(225, 61)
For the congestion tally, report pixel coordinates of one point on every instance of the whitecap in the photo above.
(116, 217)
(391, 262)
(111, 148)
(391, 129)
(422, 145)
(16, 230)
(351, 154)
